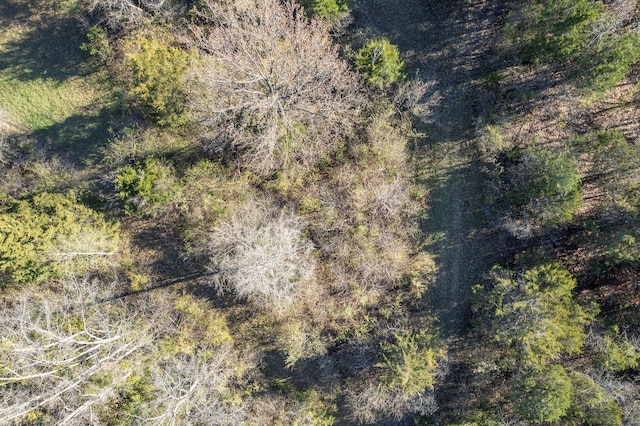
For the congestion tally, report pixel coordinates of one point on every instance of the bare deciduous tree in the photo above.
(376, 403)
(262, 255)
(189, 390)
(132, 13)
(272, 86)
(52, 344)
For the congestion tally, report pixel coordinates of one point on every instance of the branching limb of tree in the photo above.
(53, 343)
(272, 86)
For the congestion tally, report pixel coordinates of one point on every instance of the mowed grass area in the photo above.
(45, 78)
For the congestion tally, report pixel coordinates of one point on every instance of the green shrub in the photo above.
(608, 61)
(129, 400)
(196, 325)
(410, 363)
(97, 43)
(566, 30)
(380, 63)
(543, 396)
(157, 70)
(616, 354)
(146, 184)
(616, 167)
(534, 313)
(590, 405)
(315, 410)
(46, 235)
(331, 10)
(545, 186)
(623, 251)
(555, 29)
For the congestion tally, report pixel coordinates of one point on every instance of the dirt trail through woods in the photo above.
(448, 45)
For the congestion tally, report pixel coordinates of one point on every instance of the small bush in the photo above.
(543, 396)
(146, 184)
(608, 62)
(623, 252)
(545, 187)
(98, 44)
(196, 325)
(615, 353)
(157, 69)
(332, 10)
(411, 362)
(617, 170)
(591, 406)
(299, 340)
(380, 63)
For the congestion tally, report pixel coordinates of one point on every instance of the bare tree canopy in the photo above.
(53, 344)
(132, 13)
(271, 85)
(262, 254)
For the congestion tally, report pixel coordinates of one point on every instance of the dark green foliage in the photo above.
(98, 44)
(157, 70)
(606, 63)
(410, 362)
(566, 31)
(615, 353)
(380, 63)
(556, 29)
(590, 405)
(623, 251)
(533, 313)
(617, 170)
(328, 9)
(543, 396)
(145, 184)
(38, 232)
(544, 186)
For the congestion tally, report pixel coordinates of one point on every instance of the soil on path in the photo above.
(448, 45)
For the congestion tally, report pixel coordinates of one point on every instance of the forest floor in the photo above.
(448, 46)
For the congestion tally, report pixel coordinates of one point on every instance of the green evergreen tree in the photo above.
(42, 235)
(410, 362)
(543, 396)
(380, 63)
(534, 313)
(157, 69)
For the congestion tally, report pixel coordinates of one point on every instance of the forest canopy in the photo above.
(318, 212)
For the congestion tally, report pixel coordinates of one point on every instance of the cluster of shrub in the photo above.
(556, 357)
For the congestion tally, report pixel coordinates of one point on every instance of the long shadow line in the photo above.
(160, 285)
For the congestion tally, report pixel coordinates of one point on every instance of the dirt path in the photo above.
(447, 44)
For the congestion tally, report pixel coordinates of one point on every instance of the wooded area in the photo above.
(318, 212)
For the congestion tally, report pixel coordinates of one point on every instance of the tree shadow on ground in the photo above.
(459, 236)
(15, 10)
(50, 48)
(81, 137)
